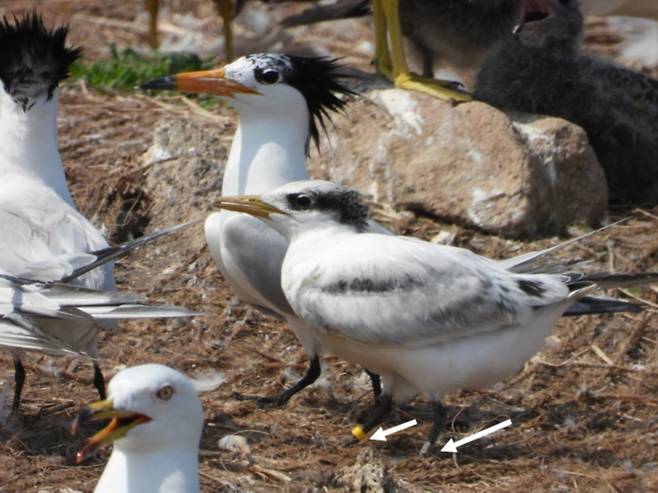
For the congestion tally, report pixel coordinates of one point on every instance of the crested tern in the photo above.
(428, 318)
(45, 237)
(282, 103)
(156, 424)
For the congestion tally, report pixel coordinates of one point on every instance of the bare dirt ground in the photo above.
(584, 410)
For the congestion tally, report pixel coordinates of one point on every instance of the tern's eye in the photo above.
(299, 201)
(165, 393)
(267, 76)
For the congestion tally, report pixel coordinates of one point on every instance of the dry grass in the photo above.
(584, 410)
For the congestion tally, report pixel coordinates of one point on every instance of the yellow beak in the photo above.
(249, 204)
(203, 81)
(121, 423)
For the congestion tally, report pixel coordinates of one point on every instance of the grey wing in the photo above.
(49, 241)
(34, 334)
(252, 254)
(415, 294)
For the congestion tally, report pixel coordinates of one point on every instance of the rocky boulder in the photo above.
(184, 168)
(512, 174)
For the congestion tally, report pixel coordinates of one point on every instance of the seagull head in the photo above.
(151, 408)
(270, 84)
(33, 60)
(550, 22)
(304, 205)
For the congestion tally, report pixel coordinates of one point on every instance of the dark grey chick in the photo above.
(459, 33)
(456, 33)
(541, 69)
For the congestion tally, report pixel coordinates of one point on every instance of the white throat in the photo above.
(166, 471)
(28, 143)
(268, 150)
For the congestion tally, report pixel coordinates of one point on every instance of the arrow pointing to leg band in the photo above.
(451, 447)
(381, 434)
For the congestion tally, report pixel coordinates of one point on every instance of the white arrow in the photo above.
(451, 447)
(380, 435)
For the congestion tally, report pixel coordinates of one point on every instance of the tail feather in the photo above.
(607, 280)
(137, 311)
(343, 9)
(530, 263)
(593, 305)
(17, 332)
(111, 253)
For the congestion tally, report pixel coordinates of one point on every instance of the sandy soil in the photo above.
(584, 410)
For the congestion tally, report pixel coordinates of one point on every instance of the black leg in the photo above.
(377, 393)
(379, 412)
(19, 379)
(311, 375)
(438, 424)
(99, 381)
(376, 384)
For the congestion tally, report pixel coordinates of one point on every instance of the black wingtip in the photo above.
(164, 83)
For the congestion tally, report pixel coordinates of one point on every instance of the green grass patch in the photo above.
(126, 69)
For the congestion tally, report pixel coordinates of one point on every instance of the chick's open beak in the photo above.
(203, 81)
(249, 204)
(121, 423)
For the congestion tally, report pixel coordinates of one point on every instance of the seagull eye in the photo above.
(267, 76)
(299, 201)
(165, 393)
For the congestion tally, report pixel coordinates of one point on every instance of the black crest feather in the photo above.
(319, 80)
(33, 56)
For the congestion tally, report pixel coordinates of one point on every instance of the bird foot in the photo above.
(447, 90)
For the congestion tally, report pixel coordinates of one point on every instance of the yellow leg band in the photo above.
(358, 433)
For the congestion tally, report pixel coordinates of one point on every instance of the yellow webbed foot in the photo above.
(442, 89)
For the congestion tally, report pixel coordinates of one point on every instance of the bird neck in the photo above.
(169, 470)
(28, 143)
(268, 150)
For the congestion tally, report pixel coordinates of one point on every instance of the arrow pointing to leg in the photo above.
(381, 434)
(451, 447)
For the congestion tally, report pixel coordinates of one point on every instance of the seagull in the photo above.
(428, 318)
(283, 102)
(156, 423)
(44, 237)
(541, 69)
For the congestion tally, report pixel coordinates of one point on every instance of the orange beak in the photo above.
(203, 82)
(121, 423)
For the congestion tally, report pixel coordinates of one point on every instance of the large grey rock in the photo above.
(184, 172)
(506, 173)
